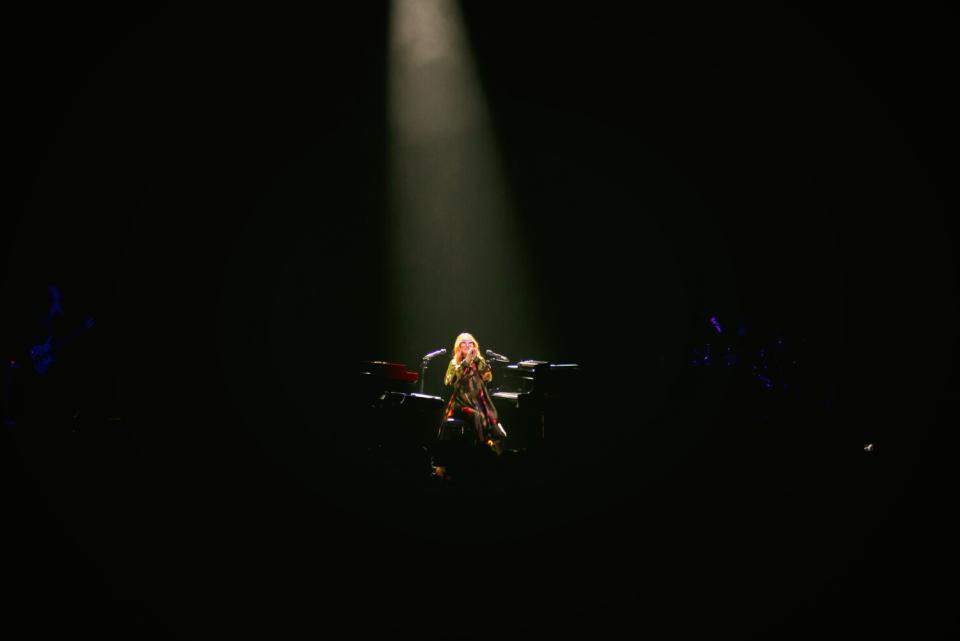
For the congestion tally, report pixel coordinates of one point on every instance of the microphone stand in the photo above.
(424, 364)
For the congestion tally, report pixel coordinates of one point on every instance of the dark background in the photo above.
(211, 187)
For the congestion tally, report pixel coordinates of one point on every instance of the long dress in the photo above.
(470, 400)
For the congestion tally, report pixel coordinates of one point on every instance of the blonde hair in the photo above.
(465, 336)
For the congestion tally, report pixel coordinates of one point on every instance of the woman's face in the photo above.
(466, 346)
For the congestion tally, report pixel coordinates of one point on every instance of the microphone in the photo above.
(434, 354)
(497, 357)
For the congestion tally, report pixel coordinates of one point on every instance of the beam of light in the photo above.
(455, 261)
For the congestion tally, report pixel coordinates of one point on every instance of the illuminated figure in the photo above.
(468, 373)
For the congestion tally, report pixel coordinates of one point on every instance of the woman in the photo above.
(468, 373)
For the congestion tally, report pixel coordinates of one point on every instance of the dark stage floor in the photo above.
(749, 525)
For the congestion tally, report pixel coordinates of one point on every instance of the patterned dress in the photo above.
(470, 400)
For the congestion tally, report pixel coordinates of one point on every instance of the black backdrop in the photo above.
(211, 186)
